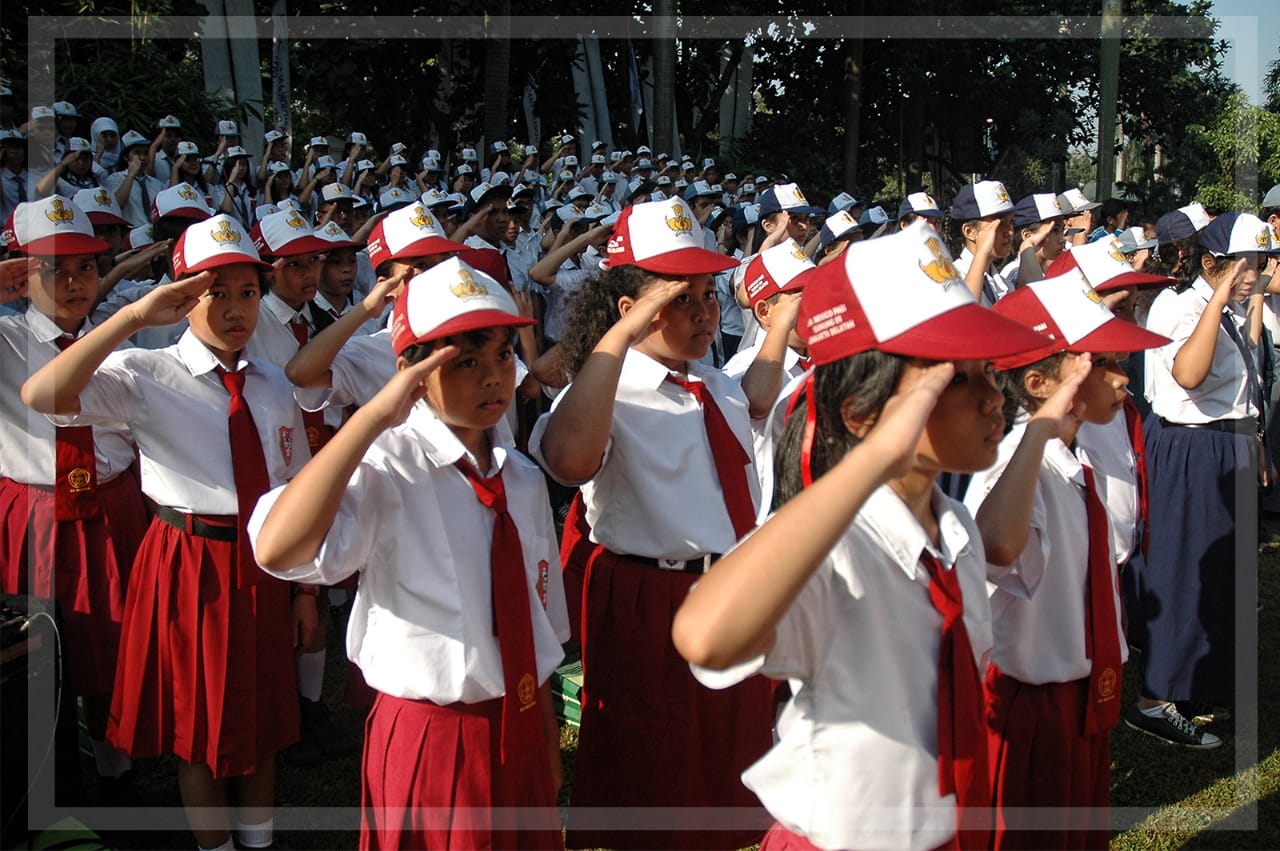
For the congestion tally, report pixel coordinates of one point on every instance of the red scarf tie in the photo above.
(75, 468)
(1133, 423)
(249, 468)
(1101, 639)
(730, 458)
(317, 432)
(512, 622)
(962, 742)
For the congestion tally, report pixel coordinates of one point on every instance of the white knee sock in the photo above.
(226, 846)
(256, 835)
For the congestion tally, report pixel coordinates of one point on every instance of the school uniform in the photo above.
(126, 293)
(994, 285)
(144, 190)
(571, 277)
(16, 188)
(64, 536)
(767, 431)
(1200, 444)
(1042, 752)
(421, 629)
(856, 764)
(652, 736)
(242, 206)
(206, 640)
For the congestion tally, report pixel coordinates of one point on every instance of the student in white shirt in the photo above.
(208, 638)
(1053, 691)
(1202, 438)
(867, 588)
(635, 430)
(984, 215)
(394, 497)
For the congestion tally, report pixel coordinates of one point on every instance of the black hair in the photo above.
(867, 380)
(1012, 382)
(1168, 255)
(1110, 209)
(419, 351)
(1267, 212)
(595, 310)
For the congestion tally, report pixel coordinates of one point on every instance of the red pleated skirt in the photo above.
(82, 564)
(1052, 782)
(433, 779)
(206, 669)
(652, 736)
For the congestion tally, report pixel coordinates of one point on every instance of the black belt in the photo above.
(193, 524)
(1245, 425)
(701, 564)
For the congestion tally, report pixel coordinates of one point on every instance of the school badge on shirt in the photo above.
(286, 443)
(544, 570)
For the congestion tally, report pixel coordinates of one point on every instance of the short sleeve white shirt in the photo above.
(421, 625)
(272, 340)
(656, 493)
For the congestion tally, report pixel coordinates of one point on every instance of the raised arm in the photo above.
(731, 615)
(312, 366)
(762, 382)
(1193, 361)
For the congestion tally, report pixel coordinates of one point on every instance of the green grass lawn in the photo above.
(1162, 797)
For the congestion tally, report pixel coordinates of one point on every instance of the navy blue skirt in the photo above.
(1185, 617)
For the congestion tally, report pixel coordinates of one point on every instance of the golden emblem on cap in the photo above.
(421, 219)
(798, 252)
(293, 220)
(1262, 239)
(1092, 295)
(928, 200)
(679, 223)
(185, 191)
(800, 196)
(225, 233)
(940, 269)
(468, 286)
(1002, 194)
(1115, 252)
(332, 228)
(79, 480)
(58, 213)
(101, 198)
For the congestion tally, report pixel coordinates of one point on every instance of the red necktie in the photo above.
(317, 432)
(512, 622)
(730, 458)
(962, 743)
(75, 468)
(1133, 422)
(1101, 639)
(249, 467)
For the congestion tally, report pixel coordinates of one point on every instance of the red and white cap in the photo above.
(1103, 266)
(776, 270)
(901, 294)
(1069, 316)
(101, 207)
(408, 232)
(53, 225)
(219, 241)
(662, 237)
(285, 234)
(334, 237)
(183, 201)
(450, 298)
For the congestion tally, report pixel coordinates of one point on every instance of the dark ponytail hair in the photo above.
(1012, 382)
(595, 311)
(868, 380)
(1169, 253)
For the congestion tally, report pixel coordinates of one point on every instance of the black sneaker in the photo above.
(319, 729)
(1172, 727)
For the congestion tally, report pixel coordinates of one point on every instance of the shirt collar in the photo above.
(324, 304)
(197, 358)
(283, 313)
(642, 370)
(44, 329)
(902, 537)
(442, 447)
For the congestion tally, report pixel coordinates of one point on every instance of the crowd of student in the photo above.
(851, 529)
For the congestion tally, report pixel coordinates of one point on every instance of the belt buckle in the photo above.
(670, 564)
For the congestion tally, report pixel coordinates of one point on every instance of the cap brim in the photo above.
(1116, 335)
(968, 332)
(473, 321)
(66, 244)
(1130, 280)
(107, 219)
(183, 213)
(427, 247)
(1073, 231)
(219, 260)
(294, 247)
(687, 261)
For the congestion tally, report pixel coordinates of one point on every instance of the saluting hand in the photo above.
(393, 402)
(1061, 409)
(898, 428)
(169, 303)
(642, 315)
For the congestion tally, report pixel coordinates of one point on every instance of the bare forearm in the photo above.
(1004, 519)
(313, 363)
(763, 379)
(56, 387)
(1193, 361)
(578, 430)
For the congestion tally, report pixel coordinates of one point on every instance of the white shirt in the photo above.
(856, 763)
(138, 209)
(477, 241)
(272, 340)
(1224, 394)
(421, 626)
(1106, 448)
(369, 326)
(994, 286)
(27, 451)
(569, 281)
(126, 293)
(174, 404)
(656, 493)
(766, 431)
(16, 187)
(1038, 602)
